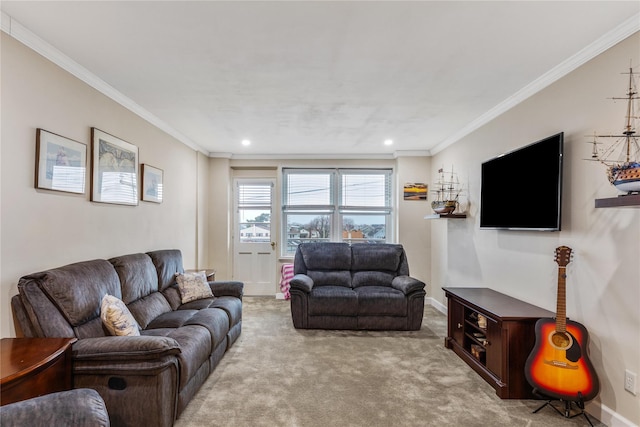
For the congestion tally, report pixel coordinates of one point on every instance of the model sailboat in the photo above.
(622, 155)
(447, 191)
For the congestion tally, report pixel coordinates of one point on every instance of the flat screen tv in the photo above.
(522, 189)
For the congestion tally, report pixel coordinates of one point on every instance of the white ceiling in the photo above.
(320, 78)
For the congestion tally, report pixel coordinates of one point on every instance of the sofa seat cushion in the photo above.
(333, 300)
(172, 319)
(372, 278)
(148, 308)
(231, 305)
(381, 301)
(195, 348)
(213, 320)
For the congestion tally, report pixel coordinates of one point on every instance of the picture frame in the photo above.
(151, 188)
(61, 163)
(114, 164)
(415, 191)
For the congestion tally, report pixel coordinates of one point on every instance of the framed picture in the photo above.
(61, 163)
(415, 191)
(114, 164)
(151, 184)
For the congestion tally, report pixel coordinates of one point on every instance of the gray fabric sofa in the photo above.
(363, 286)
(147, 379)
(81, 407)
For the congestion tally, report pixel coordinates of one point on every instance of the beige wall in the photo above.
(410, 229)
(44, 229)
(603, 283)
(413, 231)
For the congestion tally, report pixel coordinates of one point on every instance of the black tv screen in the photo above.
(522, 189)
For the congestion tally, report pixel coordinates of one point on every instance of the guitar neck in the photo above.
(561, 302)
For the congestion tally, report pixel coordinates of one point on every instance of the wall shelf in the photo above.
(438, 216)
(630, 200)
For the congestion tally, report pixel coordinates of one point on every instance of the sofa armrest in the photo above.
(407, 284)
(124, 348)
(302, 282)
(79, 408)
(227, 288)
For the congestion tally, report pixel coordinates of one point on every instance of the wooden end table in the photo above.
(209, 272)
(31, 367)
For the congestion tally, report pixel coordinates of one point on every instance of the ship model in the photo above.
(447, 191)
(621, 155)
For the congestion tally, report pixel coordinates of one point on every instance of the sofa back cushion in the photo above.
(322, 256)
(138, 277)
(328, 264)
(139, 282)
(330, 278)
(378, 257)
(76, 291)
(167, 262)
(377, 264)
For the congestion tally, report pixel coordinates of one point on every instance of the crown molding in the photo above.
(613, 37)
(411, 153)
(16, 30)
(311, 156)
(218, 155)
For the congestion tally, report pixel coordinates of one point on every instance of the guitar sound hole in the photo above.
(560, 340)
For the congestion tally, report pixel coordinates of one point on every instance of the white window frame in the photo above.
(336, 210)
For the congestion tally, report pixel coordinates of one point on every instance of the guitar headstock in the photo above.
(563, 255)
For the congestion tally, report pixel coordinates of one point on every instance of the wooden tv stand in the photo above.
(497, 352)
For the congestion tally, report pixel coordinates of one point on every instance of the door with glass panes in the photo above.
(254, 258)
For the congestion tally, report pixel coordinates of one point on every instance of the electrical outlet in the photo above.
(630, 381)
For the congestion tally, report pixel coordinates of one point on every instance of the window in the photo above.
(350, 205)
(254, 212)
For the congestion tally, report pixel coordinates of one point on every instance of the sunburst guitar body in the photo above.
(559, 365)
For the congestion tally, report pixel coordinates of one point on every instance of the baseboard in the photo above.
(437, 305)
(607, 415)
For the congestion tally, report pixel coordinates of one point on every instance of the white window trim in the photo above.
(336, 210)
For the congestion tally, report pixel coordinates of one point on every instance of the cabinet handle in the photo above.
(459, 325)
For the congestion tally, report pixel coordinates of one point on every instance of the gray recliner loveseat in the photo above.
(360, 286)
(146, 379)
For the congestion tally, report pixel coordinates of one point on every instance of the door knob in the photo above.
(273, 245)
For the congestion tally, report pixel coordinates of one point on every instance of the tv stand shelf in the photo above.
(496, 348)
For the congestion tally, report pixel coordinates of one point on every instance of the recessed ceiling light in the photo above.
(246, 142)
(388, 142)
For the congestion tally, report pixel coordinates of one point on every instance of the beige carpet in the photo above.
(276, 375)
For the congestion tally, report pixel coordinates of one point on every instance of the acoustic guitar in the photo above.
(559, 365)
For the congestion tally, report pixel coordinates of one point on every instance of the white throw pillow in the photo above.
(193, 286)
(117, 318)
